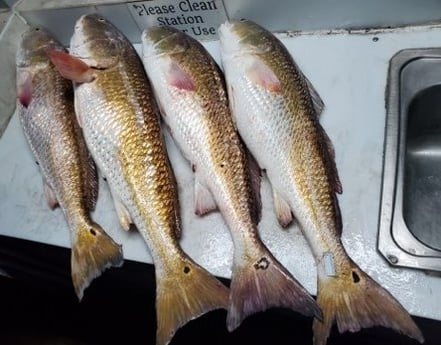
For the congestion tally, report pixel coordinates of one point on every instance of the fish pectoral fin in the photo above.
(355, 301)
(123, 215)
(71, 67)
(179, 78)
(261, 74)
(25, 89)
(283, 211)
(204, 200)
(51, 199)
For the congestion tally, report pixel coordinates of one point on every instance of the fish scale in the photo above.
(276, 110)
(191, 93)
(120, 122)
(46, 111)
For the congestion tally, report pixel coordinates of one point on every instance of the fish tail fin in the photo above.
(355, 301)
(93, 250)
(183, 294)
(263, 283)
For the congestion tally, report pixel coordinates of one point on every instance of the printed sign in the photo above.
(200, 19)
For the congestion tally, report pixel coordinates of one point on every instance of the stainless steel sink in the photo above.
(410, 216)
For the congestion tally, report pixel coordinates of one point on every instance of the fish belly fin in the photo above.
(261, 74)
(283, 210)
(184, 294)
(261, 283)
(93, 251)
(25, 89)
(204, 200)
(71, 67)
(51, 198)
(179, 78)
(355, 301)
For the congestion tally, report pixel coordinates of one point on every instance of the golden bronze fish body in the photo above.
(276, 111)
(120, 122)
(47, 116)
(191, 92)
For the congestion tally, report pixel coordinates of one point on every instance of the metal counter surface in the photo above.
(349, 70)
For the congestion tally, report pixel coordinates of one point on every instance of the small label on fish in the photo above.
(329, 264)
(199, 19)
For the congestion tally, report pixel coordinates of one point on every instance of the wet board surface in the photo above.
(349, 71)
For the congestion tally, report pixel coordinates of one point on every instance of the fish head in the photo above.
(164, 40)
(34, 44)
(96, 41)
(244, 37)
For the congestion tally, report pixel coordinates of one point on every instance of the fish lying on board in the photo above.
(121, 125)
(46, 112)
(191, 93)
(276, 112)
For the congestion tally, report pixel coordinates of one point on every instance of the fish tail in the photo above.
(355, 301)
(262, 283)
(183, 295)
(93, 250)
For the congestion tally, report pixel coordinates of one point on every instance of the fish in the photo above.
(191, 94)
(45, 106)
(276, 110)
(121, 124)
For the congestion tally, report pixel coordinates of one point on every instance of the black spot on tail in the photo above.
(262, 264)
(355, 277)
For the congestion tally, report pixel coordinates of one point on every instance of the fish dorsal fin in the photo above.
(317, 101)
(261, 74)
(71, 67)
(204, 200)
(179, 78)
(283, 211)
(256, 177)
(330, 162)
(24, 90)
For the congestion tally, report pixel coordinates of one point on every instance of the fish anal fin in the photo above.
(179, 78)
(71, 67)
(24, 90)
(93, 251)
(261, 74)
(184, 295)
(123, 214)
(354, 301)
(204, 200)
(283, 210)
(263, 283)
(51, 198)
